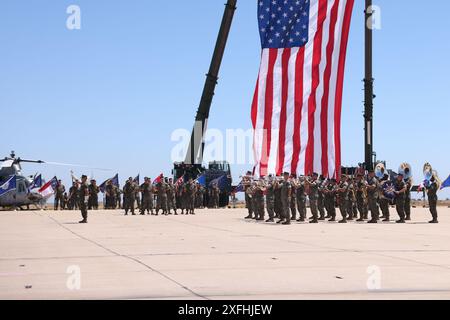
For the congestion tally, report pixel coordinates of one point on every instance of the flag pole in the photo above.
(368, 87)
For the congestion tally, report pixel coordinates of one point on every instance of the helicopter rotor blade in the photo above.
(29, 161)
(75, 165)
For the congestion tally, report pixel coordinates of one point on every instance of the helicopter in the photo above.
(21, 196)
(25, 192)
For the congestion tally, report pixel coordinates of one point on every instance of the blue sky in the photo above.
(110, 95)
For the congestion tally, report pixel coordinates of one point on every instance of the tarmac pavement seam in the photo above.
(227, 252)
(414, 261)
(127, 257)
(220, 256)
(332, 249)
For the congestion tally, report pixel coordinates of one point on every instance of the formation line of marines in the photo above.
(148, 198)
(355, 196)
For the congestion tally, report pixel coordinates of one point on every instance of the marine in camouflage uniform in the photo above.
(248, 201)
(278, 208)
(300, 195)
(59, 195)
(190, 197)
(286, 194)
(293, 204)
(110, 194)
(214, 196)
(351, 207)
(66, 200)
(250, 191)
(400, 189)
(161, 200)
(342, 192)
(258, 197)
(270, 198)
(179, 197)
(199, 195)
(384, 201)
(409, 184)
(313, 187)
(321, 199)
(372, 197)
(352, 210)
(329, 193)
(117, 203)
(83, 194)
(183, 193)
(432, 189)
(129, 192)
(361, 197)
(147, 196)
(171, 197)
(93, 195)
(72, 202)
(137, 196)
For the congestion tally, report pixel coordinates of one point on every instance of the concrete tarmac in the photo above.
(216, 254)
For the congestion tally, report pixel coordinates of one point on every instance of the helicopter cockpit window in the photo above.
(21, 187)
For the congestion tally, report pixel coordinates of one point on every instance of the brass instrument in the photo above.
(295, 182)
(406, 170)
(308, 181)
(429, 173)
(260, 185)
(380, 170)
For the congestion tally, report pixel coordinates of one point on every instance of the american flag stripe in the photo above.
(296, 109)
(298, 102)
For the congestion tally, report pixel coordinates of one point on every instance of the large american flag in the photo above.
(296, 110)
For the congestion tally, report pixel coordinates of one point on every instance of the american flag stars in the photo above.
(285, 23)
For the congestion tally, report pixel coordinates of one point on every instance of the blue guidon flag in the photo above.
(296, 109)
(446, 183)
(201, 180)
(37, 182)
(239, 188)
(8, 185)
(221, 182)
(115, 182)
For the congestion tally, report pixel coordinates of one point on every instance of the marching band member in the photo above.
(293, 204)
(301, 199)
(270, 198)
(343, 199)
(432, 189)
(313, 185)
(352, 210)
(329, 192)
(372, 197)
(286, 193)
(246, 180)
(321, 200)
(408, 182)
(386, 196)
(258, 198)
(400, 189)
(361, 197)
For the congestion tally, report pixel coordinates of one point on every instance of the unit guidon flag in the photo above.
(296, 110)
